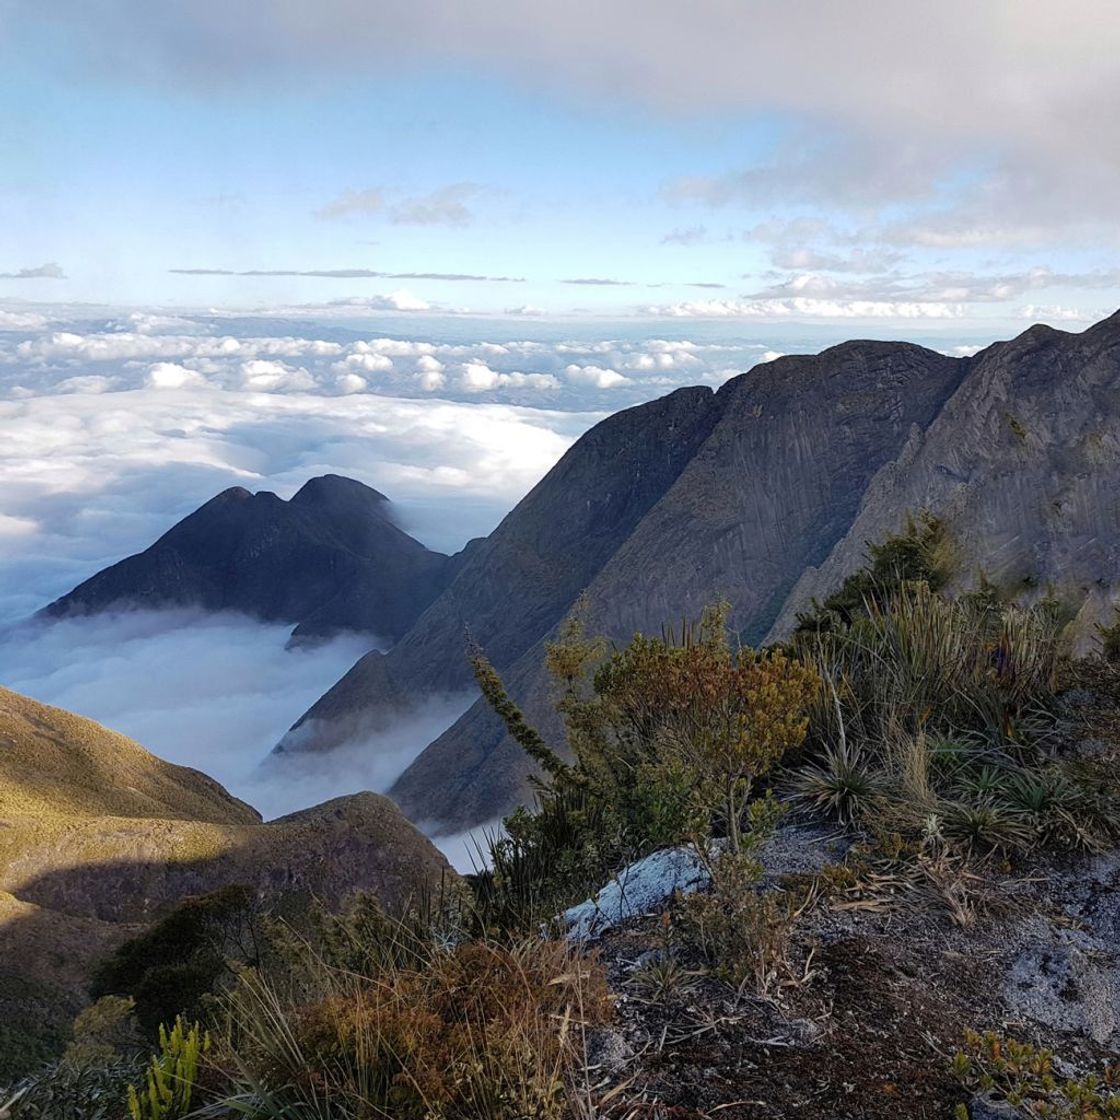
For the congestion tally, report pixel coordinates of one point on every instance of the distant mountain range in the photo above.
(329, 559)
(764, 492)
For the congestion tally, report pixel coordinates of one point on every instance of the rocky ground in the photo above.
(885, 976)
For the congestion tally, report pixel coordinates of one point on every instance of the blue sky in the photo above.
(713, 160)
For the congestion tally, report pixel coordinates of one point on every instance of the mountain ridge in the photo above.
(328, 559)
(799, 462)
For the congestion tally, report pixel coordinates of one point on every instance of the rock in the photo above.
(766, 494)
(796, 849)
(607, 1050)
(986, 1107)
(1069, 982)
(642, 888)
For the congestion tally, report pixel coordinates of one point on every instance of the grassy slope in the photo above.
(97, 835)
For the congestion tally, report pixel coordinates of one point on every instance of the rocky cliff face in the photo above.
(767, 497)
(515, 585)
(1023, 463)
(329, 559)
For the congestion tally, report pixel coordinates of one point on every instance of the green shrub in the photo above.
(669, 737)
(183, 957)
(919, 554)
(64, 1091)
(1024, 1076)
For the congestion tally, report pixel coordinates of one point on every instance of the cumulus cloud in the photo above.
(21, 320)
(596, 376)
(48, 271)
(171, 375)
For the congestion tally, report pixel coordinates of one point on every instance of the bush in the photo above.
(479, 1031)
(919, 554)
(173, 965)
(669, 737)
(1024, 1076)
(63, 1091)
(741, 930)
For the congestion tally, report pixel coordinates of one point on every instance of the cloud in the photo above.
(807, 308)
(596, 282)
(348, 274)
(171, 375)
(349, 203)
(391, 301)
(21, 320)
(858, 260)
(1054, 313)
(937, 286)
(688, 235)
(48, 271)
(984, 121)
(1024, 68)
(596, 376)
(446, 206)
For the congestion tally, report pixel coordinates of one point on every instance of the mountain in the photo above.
(98, 837)
(766, 493)
(331, 558)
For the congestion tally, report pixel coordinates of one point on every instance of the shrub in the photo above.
(743, 932)
(919, 554)
(479, 1031)
(102, 1032)
(669, 736)
(1024, 1076)
(173, 965)
(64, 1091)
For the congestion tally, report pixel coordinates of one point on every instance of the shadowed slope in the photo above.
(329, 559)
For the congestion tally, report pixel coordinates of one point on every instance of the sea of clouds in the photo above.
(117, 425)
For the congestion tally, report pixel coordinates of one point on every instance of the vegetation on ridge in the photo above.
(928, 729)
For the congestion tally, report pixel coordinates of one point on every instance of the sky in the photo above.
(760, 161)
(427, 245)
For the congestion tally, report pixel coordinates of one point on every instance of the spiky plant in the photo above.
(841, 784)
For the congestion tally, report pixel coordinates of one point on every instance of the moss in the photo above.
(1016, 427)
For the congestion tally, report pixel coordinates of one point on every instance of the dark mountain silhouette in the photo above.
(331, 558)
(766, 493)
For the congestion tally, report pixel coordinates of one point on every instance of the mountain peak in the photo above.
(330, 559)
(334, 488)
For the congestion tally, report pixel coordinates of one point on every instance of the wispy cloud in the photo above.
(348, 274)
(446, 206)
(48, 271)
(599, 282)
(801, 307)
(689, 235)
